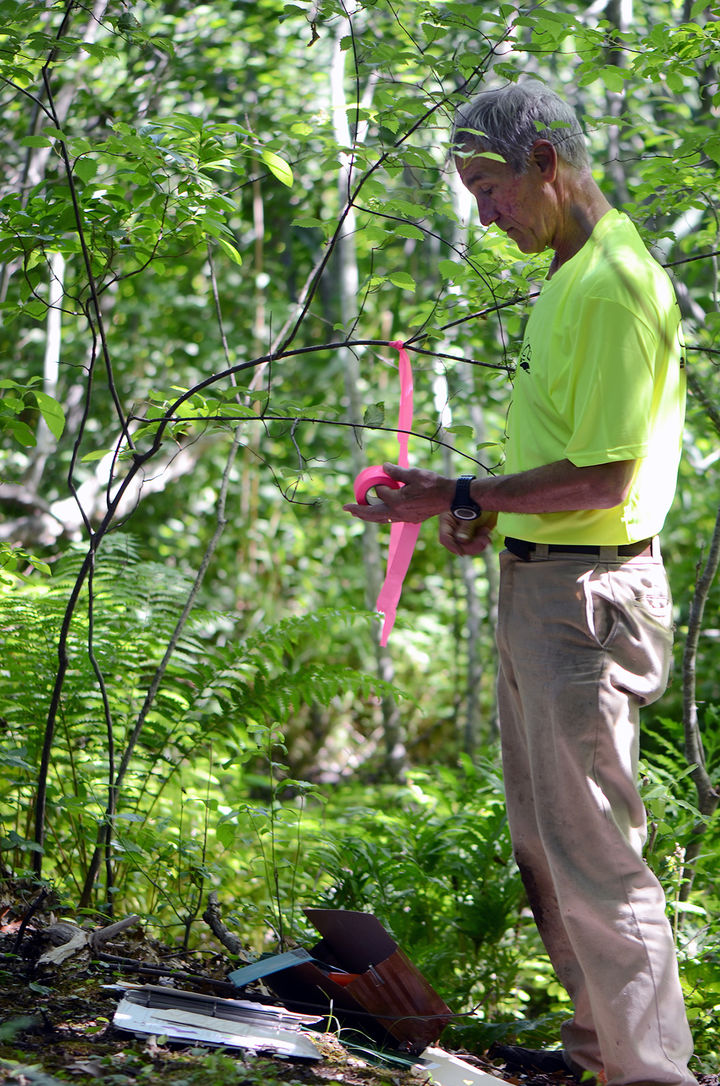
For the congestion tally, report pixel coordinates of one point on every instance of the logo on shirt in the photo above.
(525, 358)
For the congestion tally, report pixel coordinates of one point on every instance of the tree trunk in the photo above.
(348, 286)
(476, 610)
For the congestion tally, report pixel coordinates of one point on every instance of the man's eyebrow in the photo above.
(476, 173)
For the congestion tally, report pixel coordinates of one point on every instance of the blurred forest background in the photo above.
(213, 220)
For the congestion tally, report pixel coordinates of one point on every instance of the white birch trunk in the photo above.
(348, 279)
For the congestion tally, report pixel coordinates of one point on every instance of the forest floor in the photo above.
(56, 1020)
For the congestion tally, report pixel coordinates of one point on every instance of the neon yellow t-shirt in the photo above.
(601, 378)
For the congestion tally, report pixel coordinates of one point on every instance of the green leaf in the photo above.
(52, 412)
(35, 141)
(402, 280)
(448, 268)
(374, 415)
(230, 250)
(127, 21)
(277, 166)
(466, 433)
(613, 78)
(471, 153)
(225, 833)
(291, 10)
(95, 49)
(85, 168)
(711, 147)
(687, 907)
(98, 454)
(407, 230)
(20, 431)
(7, 382)
(307, 222)
(14, 840)
(78, 145)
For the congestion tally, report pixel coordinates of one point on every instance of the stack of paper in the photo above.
(186, 1016)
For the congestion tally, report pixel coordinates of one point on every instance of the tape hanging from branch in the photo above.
(403, 537)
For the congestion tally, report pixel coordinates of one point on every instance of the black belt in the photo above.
(523, 548)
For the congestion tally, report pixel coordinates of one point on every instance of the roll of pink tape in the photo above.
(368, 479)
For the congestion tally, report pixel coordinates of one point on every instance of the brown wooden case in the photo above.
(387, 997)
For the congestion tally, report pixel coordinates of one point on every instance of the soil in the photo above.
(56, 1018)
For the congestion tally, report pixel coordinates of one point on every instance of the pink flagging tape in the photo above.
(405, 415)
(368, 479)
(402, 536)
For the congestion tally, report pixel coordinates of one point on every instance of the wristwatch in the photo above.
(462, 506)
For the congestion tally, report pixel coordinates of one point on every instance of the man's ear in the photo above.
(543, 157)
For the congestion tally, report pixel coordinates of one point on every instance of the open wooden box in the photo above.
(358, 973)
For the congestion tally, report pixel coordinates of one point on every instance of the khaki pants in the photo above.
(582, 647)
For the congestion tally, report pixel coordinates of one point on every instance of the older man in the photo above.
(584, 630)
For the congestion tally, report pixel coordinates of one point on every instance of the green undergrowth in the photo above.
(210, 801)
(136, 1066)
(432, 859)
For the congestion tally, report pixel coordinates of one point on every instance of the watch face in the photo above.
(463, 507)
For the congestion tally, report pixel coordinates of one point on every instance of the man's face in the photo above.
(519, 204)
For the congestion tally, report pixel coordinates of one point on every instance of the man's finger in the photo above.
(396, 472)
(383, 493)
(463, 537)
(377, 513)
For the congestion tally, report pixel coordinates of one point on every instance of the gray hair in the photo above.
(508, 120)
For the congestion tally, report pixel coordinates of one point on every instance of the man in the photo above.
(584, 629)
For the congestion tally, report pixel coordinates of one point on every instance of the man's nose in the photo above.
(486, 210)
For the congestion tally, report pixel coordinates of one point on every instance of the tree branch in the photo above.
(708, 796)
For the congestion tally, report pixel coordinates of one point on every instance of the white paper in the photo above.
(180, 1025)
(444, 1069)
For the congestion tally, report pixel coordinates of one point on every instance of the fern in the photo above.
(233, 696)
(435, 864)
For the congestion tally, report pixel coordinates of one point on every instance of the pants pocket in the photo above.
(602, 612)
(629, 615)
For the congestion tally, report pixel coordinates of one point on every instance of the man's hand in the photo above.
(468, 537)
(426, 494)
(423, 494)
